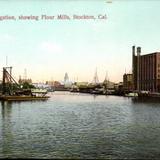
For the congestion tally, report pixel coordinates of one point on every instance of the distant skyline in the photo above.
(48, 49)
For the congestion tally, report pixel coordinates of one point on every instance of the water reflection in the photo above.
(6, 109)
(146, 100)
(6, 128)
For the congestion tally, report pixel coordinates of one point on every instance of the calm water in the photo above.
(72, 125)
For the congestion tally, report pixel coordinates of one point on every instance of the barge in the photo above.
(12, 91)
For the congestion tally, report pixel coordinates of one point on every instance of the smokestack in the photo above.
(133, 50)
(138, 51)
(133, 66)
(138, 67)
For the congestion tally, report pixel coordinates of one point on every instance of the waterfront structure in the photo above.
(25, 80)
(95, 78)
(41, 85)
(12, 91)
(66, 78)
(128, 82)
(58, 86)
(50, 83)
(118, 85)
(67, 82)
(106, 80)
(108, 84)
(146, 71)
(81, 84)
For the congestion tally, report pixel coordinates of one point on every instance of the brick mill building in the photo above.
(146, 70)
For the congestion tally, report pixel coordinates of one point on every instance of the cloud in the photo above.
(51, 47)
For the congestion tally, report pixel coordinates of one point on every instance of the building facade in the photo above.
(146, 70)
(128, 82)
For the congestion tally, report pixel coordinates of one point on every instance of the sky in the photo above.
(49, 48)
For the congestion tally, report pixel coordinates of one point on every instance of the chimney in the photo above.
(138, 51)
(133, 66)
(138, 67)
(133, 50)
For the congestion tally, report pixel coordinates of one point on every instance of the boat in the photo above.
(131, 94)
(97, 91)
(9, 93)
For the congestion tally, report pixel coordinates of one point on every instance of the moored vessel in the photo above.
(12, 91)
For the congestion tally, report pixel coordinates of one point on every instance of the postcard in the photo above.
(80, 79)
